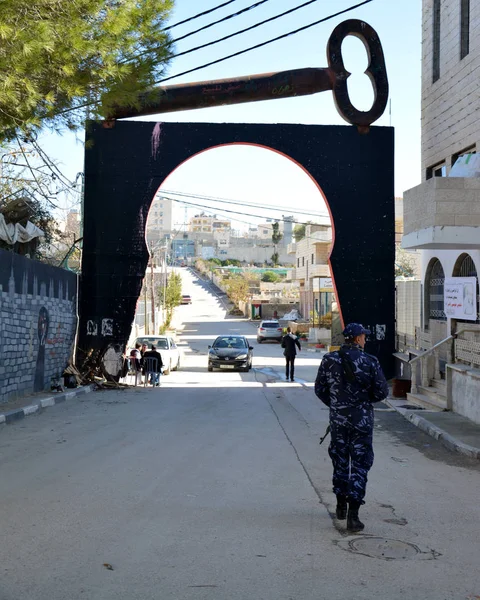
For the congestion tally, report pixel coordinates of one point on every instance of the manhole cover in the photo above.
(386, 549)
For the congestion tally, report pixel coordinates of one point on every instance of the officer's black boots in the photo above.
(353, 522)
(341, 507)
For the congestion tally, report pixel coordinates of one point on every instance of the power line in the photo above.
(270, 41)
(265, 226)
(237, 212)
(224, 58)
(231, 35)
(244, 203)
(187, 35)
(201, 14)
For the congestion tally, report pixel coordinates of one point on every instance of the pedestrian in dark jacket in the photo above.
(290, 343)
(349, 381)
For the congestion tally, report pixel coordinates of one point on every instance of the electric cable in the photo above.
(241, 31)
(224, 58)
(201, 14)
(187, 35)
(260, 45)
(166, 193)
(237, 212)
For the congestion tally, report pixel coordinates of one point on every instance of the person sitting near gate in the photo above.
(149, 363)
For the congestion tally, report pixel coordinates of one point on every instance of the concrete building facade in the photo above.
(160, 218)
(207, 224)
(310, 257)
(442, 214)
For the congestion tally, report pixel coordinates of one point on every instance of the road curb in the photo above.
(12, 416)
(451, 443)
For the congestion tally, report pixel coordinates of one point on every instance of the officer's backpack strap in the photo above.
(348, 369)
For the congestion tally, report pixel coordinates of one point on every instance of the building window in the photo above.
(434, 284)
(313, 259)
(436, 40)
(470, 150)
(439, 170)
(298, 262)
(303, 261)
(464, 28)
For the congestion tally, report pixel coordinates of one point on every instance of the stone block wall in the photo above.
(443, 202)
(409, 306)
(37, 324)
(450, 105)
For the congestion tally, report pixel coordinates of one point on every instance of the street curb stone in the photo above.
(441, 435)
(15, 415)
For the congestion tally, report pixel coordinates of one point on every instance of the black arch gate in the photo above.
(126, 162)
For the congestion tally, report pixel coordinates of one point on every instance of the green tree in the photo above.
(171, 296)
(275, 258)
(270, 277)
(56, 55)
(276, 234)
(299, 231)
(237, 288)
(406, 263)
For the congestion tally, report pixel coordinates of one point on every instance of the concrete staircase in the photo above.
(432, 397)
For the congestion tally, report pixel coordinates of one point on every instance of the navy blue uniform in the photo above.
(348, 381)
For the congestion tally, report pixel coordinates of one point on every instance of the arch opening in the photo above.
(221, 203)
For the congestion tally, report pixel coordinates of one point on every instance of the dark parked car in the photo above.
(230, 352)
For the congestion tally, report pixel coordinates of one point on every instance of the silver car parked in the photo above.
(269, 330)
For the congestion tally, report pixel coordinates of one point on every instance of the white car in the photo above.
(269, 330)
(168, 350)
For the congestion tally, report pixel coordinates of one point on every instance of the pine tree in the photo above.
(60, 54)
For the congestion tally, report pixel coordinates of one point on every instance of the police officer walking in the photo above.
(349, 381)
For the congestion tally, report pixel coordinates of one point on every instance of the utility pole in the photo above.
(145, 300)
(152, 292)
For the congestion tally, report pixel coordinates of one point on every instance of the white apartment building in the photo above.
(310, 256)
(160, 218)
(442, 215)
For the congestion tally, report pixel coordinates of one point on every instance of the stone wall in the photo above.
(37, 324)
(463, 384)
(450, 105)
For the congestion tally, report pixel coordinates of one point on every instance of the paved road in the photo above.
(213, 487)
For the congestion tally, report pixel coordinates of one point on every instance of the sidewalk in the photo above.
(13, 411)
(455, 432)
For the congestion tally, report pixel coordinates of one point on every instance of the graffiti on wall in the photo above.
(37, 324)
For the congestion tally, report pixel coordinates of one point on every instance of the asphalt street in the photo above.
(214, 487)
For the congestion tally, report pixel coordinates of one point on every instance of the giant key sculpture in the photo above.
(282, 84)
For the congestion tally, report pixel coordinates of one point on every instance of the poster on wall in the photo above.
(460, 298)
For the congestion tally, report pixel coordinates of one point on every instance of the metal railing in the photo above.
(426, 365)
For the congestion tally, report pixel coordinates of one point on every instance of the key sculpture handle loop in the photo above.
(376, 71)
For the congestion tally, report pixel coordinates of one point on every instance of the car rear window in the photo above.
(229, 342)
(160, 343)
(271, 325)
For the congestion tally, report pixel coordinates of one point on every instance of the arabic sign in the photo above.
(460, 298)
(326, 284)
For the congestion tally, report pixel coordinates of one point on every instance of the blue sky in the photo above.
(258, 175)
